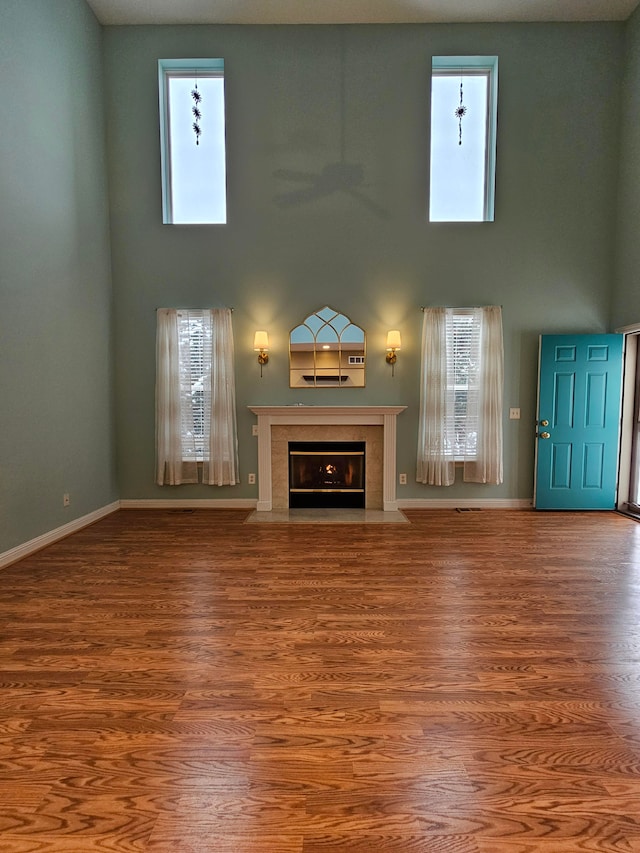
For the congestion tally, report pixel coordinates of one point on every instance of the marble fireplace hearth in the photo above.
(375, 425)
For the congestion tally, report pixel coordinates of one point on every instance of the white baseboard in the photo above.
(27, 548)
(465, 503)
(251, 503)
(177, 503)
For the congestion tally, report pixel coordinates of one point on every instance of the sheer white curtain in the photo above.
(196, 432)
(436, 461)
(223, 435)
(461, 396)
(168, 416)
(485, 465)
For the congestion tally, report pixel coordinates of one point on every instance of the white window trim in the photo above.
(177, 68)
(481, 65)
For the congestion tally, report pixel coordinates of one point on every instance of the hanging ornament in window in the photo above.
(197, 113)
(460, 112)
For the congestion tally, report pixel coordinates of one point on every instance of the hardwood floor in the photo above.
(465, 683)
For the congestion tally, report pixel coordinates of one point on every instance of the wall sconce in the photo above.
(394, 343)
(261, 346)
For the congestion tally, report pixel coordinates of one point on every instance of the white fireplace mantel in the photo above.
(269, 416)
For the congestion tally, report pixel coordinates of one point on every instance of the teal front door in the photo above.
(578, 421)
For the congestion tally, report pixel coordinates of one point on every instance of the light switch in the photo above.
(514, 414)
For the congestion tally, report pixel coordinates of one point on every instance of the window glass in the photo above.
(194, 330)
(193, 142)
(463, 124)
(463, 342)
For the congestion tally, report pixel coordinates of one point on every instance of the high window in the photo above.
(464, 101)
(192, 141)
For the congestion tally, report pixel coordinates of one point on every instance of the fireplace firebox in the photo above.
(327, 474)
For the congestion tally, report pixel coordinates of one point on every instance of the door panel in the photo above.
(578, 421)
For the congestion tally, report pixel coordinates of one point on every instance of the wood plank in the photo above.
(464, 683)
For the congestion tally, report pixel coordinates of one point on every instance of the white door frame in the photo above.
(631, 355)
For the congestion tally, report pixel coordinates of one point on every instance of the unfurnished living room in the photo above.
(319, 426)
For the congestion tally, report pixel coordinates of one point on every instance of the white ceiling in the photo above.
(355, 11)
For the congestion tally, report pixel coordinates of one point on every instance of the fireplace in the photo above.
(277, 425)
(327, 474)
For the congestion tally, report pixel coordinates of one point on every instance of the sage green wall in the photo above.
(626, 300)
(56, 430)
(547, 259)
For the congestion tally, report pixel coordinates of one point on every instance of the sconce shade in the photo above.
(394, 341)
(260, 341)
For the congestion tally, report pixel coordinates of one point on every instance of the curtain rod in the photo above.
(162, 308)
(423, 308)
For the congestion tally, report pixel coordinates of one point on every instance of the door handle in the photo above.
(544, 435)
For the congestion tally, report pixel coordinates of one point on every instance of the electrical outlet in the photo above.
(403, 479)
(514, 414)
(66, 500)
(254, 429)
(252, 479)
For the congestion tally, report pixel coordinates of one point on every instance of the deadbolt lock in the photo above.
(544, 423)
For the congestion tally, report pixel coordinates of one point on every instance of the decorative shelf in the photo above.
(308, 377)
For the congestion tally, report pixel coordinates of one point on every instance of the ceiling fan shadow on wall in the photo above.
(339, 176)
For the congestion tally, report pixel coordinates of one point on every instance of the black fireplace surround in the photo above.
(326, 474)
